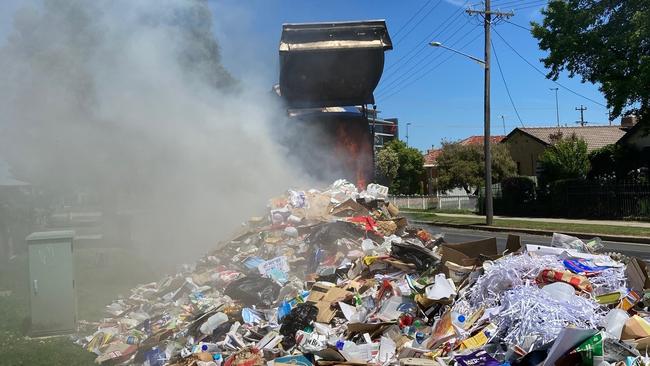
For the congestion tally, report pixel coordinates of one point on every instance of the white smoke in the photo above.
(128, 99)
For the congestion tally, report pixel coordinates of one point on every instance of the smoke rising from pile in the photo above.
(128, 99)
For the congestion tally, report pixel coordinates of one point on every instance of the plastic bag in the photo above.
(568, 242)
(253, 290)
(410, 253)
(300, 317)
(326, 235)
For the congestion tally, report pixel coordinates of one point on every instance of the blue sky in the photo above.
(441, 100)
(444, 103)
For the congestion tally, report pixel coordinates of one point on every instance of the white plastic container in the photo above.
(614, 322)
(213, 322)
(559, 291)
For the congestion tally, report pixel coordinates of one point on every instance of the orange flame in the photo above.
(354, 152)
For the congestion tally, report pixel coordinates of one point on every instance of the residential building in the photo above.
(636, 136)
(526, 144)
(431, 163)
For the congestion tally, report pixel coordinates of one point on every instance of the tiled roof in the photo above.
(595, 136)
(431, 157)
(478, 140)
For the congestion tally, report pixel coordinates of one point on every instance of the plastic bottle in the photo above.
(217, 359)
(209, 347)
(213, 322)
(614, 322)
(458, 320)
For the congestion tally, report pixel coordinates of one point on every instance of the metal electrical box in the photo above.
(51, 281)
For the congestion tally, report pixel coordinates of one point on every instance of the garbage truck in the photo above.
(328, 73)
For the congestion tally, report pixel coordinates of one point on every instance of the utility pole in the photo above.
(487, 23)
(557, 107)
(374, 142)
(503, 121)
(609, 116)
(582, 110)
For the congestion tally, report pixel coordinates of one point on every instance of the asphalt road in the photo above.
(453, 235)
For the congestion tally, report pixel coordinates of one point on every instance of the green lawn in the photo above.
(521, 224)
(101, 275)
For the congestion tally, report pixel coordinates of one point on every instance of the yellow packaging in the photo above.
(480, 339)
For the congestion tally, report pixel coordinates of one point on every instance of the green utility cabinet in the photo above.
(51, 283)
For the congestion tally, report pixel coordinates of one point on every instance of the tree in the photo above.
(464, 166)
(606, 43)
(388, 163)
(407, 172)
(566, 159)
(616, 162)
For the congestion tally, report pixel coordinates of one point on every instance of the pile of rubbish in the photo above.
(336, 277)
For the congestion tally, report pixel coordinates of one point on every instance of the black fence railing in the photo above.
(581, 199)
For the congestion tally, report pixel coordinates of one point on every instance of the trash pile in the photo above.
(336, 277)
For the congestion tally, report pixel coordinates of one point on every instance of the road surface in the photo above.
(453, 235)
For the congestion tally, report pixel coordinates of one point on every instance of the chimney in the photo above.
(629, 121)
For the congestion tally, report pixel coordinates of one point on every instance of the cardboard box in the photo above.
(636, 327)
(469, 253)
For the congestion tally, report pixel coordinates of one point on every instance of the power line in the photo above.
(496, 57)
(418, 23)
(522, 3)
(424, 40)
(397, 82)
(389, 95)
(544, 3)
(421, 60)
(509, 3)
(517, 25)
(412, 17)
(542, 72)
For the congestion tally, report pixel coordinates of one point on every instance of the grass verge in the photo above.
(535, 225)
(101, 275)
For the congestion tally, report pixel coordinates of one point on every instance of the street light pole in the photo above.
(407, 133)
(557, 108)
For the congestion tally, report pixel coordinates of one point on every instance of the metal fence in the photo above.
(436, 202)
(607, 201)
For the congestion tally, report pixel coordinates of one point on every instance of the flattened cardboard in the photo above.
(513, 243)
(323, 297)
(637, 275)
(349, 208)
(469, 253)
(374, 329)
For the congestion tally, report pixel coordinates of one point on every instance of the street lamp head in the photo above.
(435, 44)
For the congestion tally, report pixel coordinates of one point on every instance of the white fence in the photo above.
(436, 202)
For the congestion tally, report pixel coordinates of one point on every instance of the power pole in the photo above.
(609, 116)
(582, 110)
(487, 23)
(503, 121)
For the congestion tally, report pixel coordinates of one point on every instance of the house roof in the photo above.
(431, 157)
(478, 140)
(595, 136)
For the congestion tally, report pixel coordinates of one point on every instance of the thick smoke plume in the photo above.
(128, 100)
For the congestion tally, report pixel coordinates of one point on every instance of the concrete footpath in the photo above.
(582, 235)
(559, 221)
